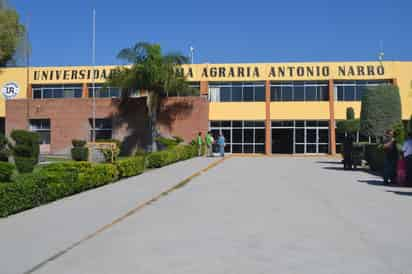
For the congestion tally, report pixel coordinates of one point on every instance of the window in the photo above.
(104, 92)
(42, 127)
(299, 91)
(241, 136)
(104, 129)
(237, 92)
(57, 91)
(354, 90)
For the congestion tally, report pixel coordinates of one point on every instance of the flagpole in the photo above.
(27, 54)
(93, 80)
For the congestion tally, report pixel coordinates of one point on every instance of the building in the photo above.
(260, 108)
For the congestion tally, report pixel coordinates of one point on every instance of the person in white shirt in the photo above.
(407, 154)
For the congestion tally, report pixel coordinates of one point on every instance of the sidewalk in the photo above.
(28, 238)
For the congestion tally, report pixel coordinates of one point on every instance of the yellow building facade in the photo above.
(258, 107)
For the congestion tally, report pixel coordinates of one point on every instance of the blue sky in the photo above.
(221, 31)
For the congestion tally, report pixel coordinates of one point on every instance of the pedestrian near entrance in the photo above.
(221, 144)
(199, 144)
(407, 154)
(391, 157)
(209, 142)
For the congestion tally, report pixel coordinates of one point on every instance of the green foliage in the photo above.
(26, 149)
(53, 182)
(154, 72)
(131, 166)
(178, 139)
(168, 143)
(109, 153)
(374, 155)
(25, 164)
(409, 126)
(80, 153)
(4, 148)
(350, 113)
(6, 170)
(11, 33)
(399, 132)
(381, 110)
(166, 157)
(78, 143)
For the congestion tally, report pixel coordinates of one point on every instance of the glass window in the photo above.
(323, 136)
(259, 148)
(226, 123)
(311, 149)
(236, 94)
(237, 123)
(42, 127)
(36, 94)
(311, 136)
(259, 94)
(300, 135)
(323, 93)
(103, 129)
(248, 148)
(299, 93)
(340, 93)
(237, 136)
(237, 148)
(248, 95)
(225, 94)
(275, 94)
(350, 93)
(260, 135)
(287, 94)
(248, 136)
(57, 91)
(299, 148)
(311, 93)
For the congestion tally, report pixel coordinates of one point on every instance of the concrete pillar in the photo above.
(268, 125)
(29, 91)
(332, 133)
(85, 91)
(204, 88)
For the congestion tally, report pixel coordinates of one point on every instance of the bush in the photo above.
(399, 133)
(4, 148)
(25, 164)
(6, 170)
(78, 143)
(168, 143)
(26, 149)
(374, 155)
(166, 157)
(53, 182)
(80, 153)
(131, 166)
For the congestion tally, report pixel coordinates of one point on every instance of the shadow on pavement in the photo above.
(330, 162)
(341, 168)
(400, 193)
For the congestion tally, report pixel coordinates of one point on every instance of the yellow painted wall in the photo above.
(340, 109)
(16, 75)
(237, 111)
(299, 110)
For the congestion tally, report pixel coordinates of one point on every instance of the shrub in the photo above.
(6, 170)
(80, 153)
(166, 157)
(26, 150)
(108, 153)
(78, 143)
(155, 159)
(399, 132)
(25, 164)
(4, 148)
(168, 143)
(131, 166)
(374, 155)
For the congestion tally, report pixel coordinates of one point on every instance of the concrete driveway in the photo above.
(259, 215)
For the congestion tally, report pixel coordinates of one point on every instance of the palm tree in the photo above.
(152, 72)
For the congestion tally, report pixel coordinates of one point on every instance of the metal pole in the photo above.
(93, 80)
(27, 53)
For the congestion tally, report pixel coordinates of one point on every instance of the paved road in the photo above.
(28, 238)
(259, 215)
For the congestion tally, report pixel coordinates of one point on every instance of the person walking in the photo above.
(221, 144)
(199, 144)
(209, 142)
(391, 157)
(348, 152)
(407, 155)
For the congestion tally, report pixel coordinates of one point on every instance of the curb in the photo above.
(126, 215)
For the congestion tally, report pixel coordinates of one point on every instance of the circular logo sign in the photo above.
(10, 90)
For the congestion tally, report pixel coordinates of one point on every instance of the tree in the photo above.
(350, 125)
(11, 33)
(409, 125)
(153, 72)
(381, 110)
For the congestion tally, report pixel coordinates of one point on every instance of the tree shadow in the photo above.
(173, 109)
(329, 162)
(373, 182)
(131, 124)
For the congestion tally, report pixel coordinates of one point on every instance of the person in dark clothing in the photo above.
(347, 152)
(391, 157)
(407, 155)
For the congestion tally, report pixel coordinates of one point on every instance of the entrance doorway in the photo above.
(282, 140)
